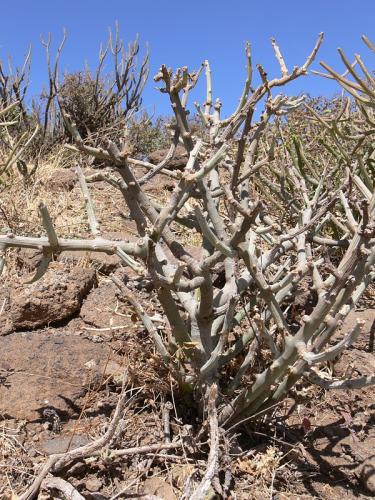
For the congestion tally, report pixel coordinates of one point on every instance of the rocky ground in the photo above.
(67, 339)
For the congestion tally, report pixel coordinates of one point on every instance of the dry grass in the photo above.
(19, 203)
(16, 465)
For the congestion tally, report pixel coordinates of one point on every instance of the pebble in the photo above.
(93, 484)
(367, 474)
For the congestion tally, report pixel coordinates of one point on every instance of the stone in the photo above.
(102, 262)
(93, 484)
(62, 179)
(156, 486)
(104, 308)
(178, 162)
(367, 474)
(61, 444)
(55, 297)
(46, 370)
(98, 308)
(28, 260)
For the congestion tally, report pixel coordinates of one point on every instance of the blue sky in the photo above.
(185, 33)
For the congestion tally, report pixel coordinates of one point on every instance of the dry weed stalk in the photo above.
(59, 461)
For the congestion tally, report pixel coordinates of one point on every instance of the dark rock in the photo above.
(102, 262)
(93, 484)
(61, 444)
(104, 307)
(28, 260)
(367, 474)
(178, 162)
(62, 180)
(47, 370)
(157, 487)
(98, 306)
(55, 297)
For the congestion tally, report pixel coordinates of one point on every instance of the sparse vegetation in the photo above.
(249, 259)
